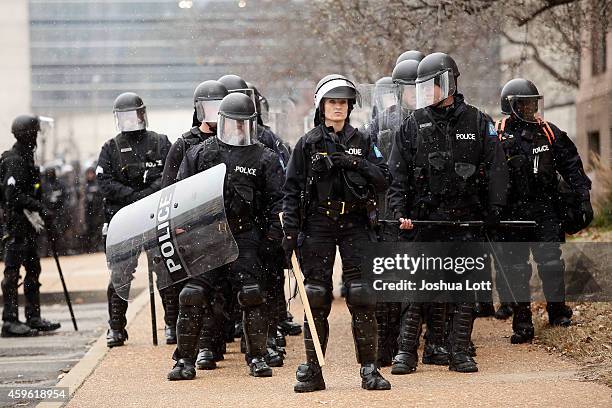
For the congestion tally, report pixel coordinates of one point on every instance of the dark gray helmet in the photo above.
(237, 106)
(25, 125)
(517, 87)
(128, 101)
(436, 64)
(335, 86)
(410, 55)
(209, 90)
(233, 82)
(405, 72)
(386, 80)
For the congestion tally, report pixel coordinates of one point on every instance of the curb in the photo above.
(83, 369)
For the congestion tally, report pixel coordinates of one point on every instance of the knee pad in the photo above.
(319, 296)
(358, 294)
(192, 295)
(250, 295)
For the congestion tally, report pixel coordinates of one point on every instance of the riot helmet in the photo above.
(405, 74)
(334, 86)
(206, 100)
(25, 128)
(413, 55)
(436, 79)
(237, 120)
(520, 98)
(261, 104)
(130, 113)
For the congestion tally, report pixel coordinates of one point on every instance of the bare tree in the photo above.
(369, 34)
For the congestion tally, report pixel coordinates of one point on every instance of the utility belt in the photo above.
(336, 209)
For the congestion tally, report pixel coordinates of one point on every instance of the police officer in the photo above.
(270, 255)
(252, 203)
(402, 84)
(56, 201)
(206, 100)
(446, 154)
(536, 151)
(93, 203)
(129, 168)
(281, 322)
(327, 201)
(25, 212)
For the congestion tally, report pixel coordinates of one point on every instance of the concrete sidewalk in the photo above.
(86, 278)
(523, 375)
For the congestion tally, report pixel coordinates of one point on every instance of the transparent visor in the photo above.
(248, 92)
(528, 108)
(408, 96)
(131, 121)
(435, 90)
(207, 110)
(386, 96)
(236, 132)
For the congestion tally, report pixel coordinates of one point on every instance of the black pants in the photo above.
(513, 282)
(196, 314)
(21, 251)
(436, 315)
(317, 253)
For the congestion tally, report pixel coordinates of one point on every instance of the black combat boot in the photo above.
(259, 367)
(522, 324)
(281, 341)
(206, 360)
(170, 334)
(371, 379)
(40, 324)
(275, 355)
(435, 351)
(309, 378)
(559, 314)
(405, 362)
(461, 331)
(116, 338)
(182, 370)
(17, 329)
(504, 311)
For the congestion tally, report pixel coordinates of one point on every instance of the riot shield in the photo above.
(182, 228)
(380, 113)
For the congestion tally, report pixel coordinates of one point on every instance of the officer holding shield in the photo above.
(252, 203)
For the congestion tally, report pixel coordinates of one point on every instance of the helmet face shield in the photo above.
(527, 108)
(435, 89)
(236, 132)
(408, 96)
(131, 121)
(207, 110)
(385, 96)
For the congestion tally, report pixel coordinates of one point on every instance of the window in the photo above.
(594, 147)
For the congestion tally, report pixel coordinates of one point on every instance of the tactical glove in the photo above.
(346, 161)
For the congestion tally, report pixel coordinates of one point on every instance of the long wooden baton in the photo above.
(299, 277)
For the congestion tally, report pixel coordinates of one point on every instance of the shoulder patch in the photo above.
(491, 129)
(10, 181)
(377, 152)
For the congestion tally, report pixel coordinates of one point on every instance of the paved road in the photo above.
(39, 361)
